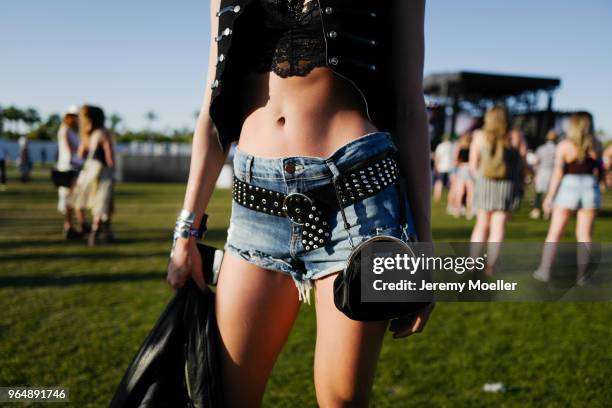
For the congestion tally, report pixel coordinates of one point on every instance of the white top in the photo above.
(546, 154)
(444, 157)
(66, 138)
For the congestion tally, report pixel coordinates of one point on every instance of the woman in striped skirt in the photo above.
(496, 159)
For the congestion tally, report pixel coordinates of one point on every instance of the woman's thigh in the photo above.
(346, 352)
(256, 309)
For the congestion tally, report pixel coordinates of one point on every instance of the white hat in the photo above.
(72, 110)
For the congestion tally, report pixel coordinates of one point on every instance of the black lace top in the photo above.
(292, 42)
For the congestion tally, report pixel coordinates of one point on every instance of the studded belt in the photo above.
(309, 209)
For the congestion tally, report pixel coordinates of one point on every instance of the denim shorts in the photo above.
(275, 242)
(578, 191)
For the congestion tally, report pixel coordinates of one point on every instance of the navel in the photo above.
(280, 121)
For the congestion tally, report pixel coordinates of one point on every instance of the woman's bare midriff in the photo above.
(312, 115)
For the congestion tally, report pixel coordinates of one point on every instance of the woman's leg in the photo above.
(469, 191)
(256, 309)
(346, 353)
(585, 219)
(497, 235)
(480, 233)
(560, 217)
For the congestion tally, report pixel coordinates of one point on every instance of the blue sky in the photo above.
(134, 56)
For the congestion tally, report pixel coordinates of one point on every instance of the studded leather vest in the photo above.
(358, 40)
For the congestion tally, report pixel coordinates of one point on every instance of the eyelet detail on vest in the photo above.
(235, 9)
(373, 14)
(372, 67)
(215, 84)
(225, 33)
(221, 57)
(332, 34)
(329, 10)
(334, 60)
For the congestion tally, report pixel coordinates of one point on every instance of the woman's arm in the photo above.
(108, 149)
(475, 146)
(207, 159)
(411, 128)
(555, 179)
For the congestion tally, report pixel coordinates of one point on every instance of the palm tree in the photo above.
(31, 118)
(151, 116)
(115, 119)
(13, 115)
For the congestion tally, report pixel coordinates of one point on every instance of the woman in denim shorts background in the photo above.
(573, 187)
(310, 89)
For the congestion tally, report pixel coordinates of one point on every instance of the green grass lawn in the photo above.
(74, 316)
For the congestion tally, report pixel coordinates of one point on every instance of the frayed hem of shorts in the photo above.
(259, 259)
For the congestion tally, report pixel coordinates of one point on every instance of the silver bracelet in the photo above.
(186, 216)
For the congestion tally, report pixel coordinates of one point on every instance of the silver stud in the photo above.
(315, 246)
(329, 10)
(321, 241)
(334, 60)
(221, 57)
(332, 34)
(252, 197)
(307, 248)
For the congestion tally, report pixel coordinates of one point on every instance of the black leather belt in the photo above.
(309, 209)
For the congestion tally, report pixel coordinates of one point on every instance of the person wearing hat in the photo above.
(67, 159)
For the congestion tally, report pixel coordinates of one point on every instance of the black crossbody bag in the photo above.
(347, 285)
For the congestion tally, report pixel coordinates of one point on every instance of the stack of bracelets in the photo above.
(184, 227)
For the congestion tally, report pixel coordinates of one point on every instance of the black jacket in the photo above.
(359, 36)
(177, 364)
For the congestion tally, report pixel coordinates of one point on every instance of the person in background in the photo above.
(94, 186)
(573, 187)
(24, 161)
(4, 158)
(67, 147)
(462, 186)
(43, 157)
(443, 166)
(496, 159)
(607, 165)
(543, 168)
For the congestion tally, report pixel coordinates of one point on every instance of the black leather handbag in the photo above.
(347, 288)
(177, 365)
(347, 285)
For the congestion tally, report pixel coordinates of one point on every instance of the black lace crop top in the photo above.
(291, 41)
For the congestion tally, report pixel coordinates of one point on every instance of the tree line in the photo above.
(16, 122)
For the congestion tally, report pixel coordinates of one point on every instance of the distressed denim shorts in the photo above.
(275, 243)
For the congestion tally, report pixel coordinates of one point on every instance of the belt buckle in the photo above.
(296, 207)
